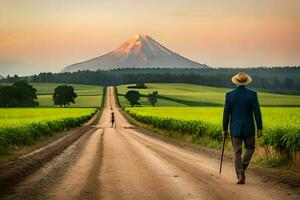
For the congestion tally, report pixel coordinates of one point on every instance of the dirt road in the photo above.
(122, 163)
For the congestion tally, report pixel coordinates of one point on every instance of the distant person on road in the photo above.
(240, 106)
(112, 119)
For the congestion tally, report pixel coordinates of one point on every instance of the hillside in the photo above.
(181, 94)
(140, 51)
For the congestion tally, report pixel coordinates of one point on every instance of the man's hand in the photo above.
(225, 133)
(259, 133)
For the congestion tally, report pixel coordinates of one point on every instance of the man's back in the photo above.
(240, 105)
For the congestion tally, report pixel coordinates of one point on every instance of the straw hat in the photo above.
(241, 79)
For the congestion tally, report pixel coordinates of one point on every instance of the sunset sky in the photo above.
(40, 35)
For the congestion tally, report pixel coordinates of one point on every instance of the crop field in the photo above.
(23, 126)
(81, 101)
(48, 88)
(197, 110)
(180, 95)
(88, 95)
(281, 125)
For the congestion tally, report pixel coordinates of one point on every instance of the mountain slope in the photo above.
(140, 51)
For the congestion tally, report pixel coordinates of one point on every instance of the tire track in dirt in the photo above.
(36, 186)
(79, 175)
(92, 187)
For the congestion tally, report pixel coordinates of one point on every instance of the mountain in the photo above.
(1, 77)
(140, 51)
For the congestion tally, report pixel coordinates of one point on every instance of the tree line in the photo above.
(133, 97)
(22, 94)
(279, 80)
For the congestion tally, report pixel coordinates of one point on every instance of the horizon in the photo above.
(50, 35)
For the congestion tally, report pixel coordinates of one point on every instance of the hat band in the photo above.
(241, 80)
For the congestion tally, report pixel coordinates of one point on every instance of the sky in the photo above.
(48, 35)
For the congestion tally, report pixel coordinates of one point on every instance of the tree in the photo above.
(8, 97)
(289, 84)
(64, 95)
(27, 94)
(140, 85)
(133, 97)
(297, 86)
(140, 82)
(152, 98)
(264, 83)
(276, 83)
(205, 77)
(20, 94)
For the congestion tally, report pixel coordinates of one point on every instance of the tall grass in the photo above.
(24, 126)
(281, 125)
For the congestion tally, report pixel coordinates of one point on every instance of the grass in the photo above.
(201, 122)
(197, 110)
(88, 95)
(181, 94)
(272, 162)
(25, 126)
(81, 101)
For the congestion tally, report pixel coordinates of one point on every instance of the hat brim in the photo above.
(238, 83)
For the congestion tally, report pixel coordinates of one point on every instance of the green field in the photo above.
(197, 111)
(81, 101)
(24, 126)
(88, 95)
(281, 125)
(180, 94)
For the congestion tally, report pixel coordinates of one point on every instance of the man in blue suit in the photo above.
(241, 104)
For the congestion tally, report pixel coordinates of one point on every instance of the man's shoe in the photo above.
(242, 178)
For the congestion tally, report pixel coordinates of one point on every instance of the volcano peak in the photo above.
(138, 36)
(140, 51)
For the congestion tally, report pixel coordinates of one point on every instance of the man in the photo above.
(112, 119)
(240, 106)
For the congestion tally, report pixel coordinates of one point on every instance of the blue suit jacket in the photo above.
(240, 106)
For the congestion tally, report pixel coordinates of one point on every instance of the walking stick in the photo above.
(222, 154)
